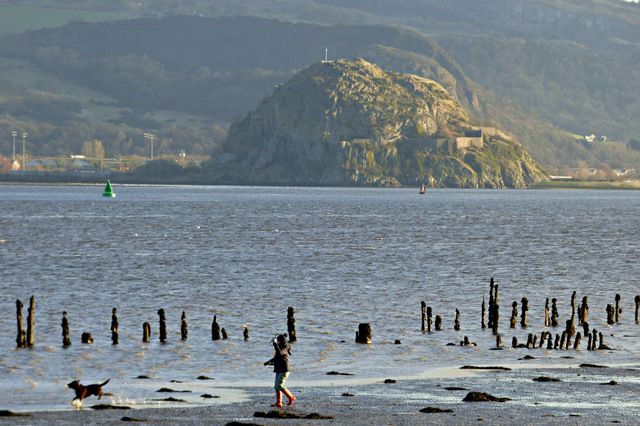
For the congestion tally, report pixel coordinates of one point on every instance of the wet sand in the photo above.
(582, 395)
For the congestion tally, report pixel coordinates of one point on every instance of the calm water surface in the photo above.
(340, 257)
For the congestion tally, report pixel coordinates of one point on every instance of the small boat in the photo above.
(423, 189)
(108, 191)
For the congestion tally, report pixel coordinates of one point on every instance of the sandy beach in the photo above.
(581, 394)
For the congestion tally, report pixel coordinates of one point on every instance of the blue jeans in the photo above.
(280, 378)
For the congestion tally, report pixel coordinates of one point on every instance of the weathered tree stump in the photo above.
(525, 309)
(183, 326)
(547, 322)
(438, 323)
(224, 334)
(215, 329)
(66, 341)
(514, 342)
(618, 310)
(114, 327)
(429, 316)
(456, 325)
(163, 326)
(245, 333)
(291, 324)
(21, 339)
(30, 320)
(514, 314)
(637, 300)
(423, 307)
(554, 312)
(363, 335)
(86, 338)
(146, 332)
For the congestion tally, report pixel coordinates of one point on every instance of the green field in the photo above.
(16, 19)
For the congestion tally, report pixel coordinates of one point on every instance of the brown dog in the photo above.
(84, 391)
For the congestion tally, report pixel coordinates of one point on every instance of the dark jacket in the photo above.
(281, 358)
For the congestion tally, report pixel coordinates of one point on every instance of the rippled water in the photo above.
(340, 257)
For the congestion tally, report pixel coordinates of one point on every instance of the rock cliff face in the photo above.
(348, 123)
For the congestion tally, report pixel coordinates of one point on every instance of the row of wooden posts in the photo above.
(26, 339)
(364, 333)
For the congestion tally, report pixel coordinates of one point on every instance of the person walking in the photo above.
(281, 367)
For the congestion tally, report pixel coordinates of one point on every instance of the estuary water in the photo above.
(339, 257)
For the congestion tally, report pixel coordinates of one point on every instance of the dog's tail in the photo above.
(104, 383)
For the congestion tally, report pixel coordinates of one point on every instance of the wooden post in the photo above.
(571, 329)
(114, 327)
(514, 314)
(529, 340)
(291, 324)
(594, 339)
(146, 332)
(484, 325)
(549, 340)
(30, 318)
(589, 342)
(224, 334)
(429, 315)
(491, 288)
(423, 306)
(498, 341)
(86, 338)
(21, 339)
(456, 325)
(573, 307)
(438, 323)
(584, 311)
(610, 314)
(525, 308)
(617, 317)
(547, 323)
(364, 335)
(215, 329)
(554, 312)
(601, 346)
(543, 335)
(163, 326)
(245, 333)
(557, 341)
(496, 311)
(576, 345)
(514, 342)
(183, 326)
(637, 300)
(585, 328)
(65, 330)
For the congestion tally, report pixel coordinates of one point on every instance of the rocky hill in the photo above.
(351, 123)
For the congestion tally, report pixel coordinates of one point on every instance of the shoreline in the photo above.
(578, 396)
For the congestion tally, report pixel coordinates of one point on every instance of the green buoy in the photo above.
(108, 192)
